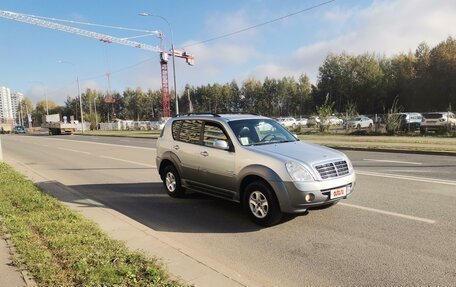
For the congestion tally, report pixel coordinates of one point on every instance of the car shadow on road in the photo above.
(149, 204)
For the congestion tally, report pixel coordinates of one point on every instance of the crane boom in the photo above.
(34, 20)
(56, 26)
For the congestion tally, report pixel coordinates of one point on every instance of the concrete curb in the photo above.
(390, 150)
(29, 281)
(424, 152)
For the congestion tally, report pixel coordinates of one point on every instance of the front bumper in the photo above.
(291, 196)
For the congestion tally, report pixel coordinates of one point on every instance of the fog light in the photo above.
(309, 197)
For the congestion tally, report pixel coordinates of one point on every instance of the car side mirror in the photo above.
(221, 144)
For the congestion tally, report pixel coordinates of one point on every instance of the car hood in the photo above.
(306, 153)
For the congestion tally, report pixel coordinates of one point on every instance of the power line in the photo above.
(261, 24)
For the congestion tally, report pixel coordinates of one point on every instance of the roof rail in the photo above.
(199, 114)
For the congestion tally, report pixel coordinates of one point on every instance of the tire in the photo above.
(370, 126)
(358, 127)
(172, 182)
(261, 204)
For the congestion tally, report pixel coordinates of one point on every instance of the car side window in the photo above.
(175, 129)
(190, 131)
(213, 132)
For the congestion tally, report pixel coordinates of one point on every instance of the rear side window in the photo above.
(212, 132)
(176, 128)
(190, 131)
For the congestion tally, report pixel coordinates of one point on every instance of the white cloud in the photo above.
(385, 27)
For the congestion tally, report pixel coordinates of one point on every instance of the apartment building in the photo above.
(5, 104)
(9, 103)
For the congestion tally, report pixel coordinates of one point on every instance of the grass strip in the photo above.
(59, 247)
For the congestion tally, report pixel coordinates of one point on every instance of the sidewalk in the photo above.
(9, 275)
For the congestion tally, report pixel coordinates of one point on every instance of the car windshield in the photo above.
(260, 131)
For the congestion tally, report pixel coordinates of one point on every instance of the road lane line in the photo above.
(406, 177)
(128, 161)
(73, 150)
(95, 143)
(425, 220)
(392, 161)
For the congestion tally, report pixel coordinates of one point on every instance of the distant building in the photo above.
(5, 104)
(9, 104)
(16, 99)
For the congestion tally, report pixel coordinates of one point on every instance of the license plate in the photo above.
(338, 192)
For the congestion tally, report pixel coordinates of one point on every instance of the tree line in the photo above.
(422, 80)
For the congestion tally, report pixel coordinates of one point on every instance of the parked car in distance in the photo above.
(19, 130)
(410, 121)
(301, 121)
(335, 121)
(287, 122)
(313, 121)
(252, 160)
(438, 121)
(360, 122)
(157, 125)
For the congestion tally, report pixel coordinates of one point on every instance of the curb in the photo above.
(29, 281)
(392, 150)
(423, 152)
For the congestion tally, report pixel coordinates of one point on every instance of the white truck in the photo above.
(57, 127)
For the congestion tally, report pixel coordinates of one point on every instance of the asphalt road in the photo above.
(398, 227)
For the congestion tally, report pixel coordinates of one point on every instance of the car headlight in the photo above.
(298, 172)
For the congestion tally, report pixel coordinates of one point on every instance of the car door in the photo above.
(187, 147)
(216, 164)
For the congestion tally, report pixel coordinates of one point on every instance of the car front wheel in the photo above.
(261, 204)
(172, 182)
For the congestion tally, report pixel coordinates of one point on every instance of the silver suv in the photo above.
(252, 160)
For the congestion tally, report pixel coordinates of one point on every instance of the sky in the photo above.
(31, 56)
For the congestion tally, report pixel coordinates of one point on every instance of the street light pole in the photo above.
(79, 91)
(95, 107)
(172, 51)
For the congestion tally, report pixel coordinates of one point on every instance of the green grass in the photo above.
(61, 248)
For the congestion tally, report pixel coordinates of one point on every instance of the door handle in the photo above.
(176, 147)
(204, 153)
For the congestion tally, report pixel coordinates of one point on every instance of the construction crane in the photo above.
(164, 55)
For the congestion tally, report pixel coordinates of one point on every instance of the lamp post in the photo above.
(79, 91)
(95, 107)
(172, 50)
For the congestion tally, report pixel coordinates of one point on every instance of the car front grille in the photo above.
(332, 169)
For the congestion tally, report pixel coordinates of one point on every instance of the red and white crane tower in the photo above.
(164, 54)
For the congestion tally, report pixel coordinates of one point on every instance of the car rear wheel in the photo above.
(172, 182)
(261, 204)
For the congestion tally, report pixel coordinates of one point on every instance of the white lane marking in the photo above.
(73, 150)
(392, 161)
(95, 143)
(409, 170)
(128, 161)
(406, 177)
(430, 221)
